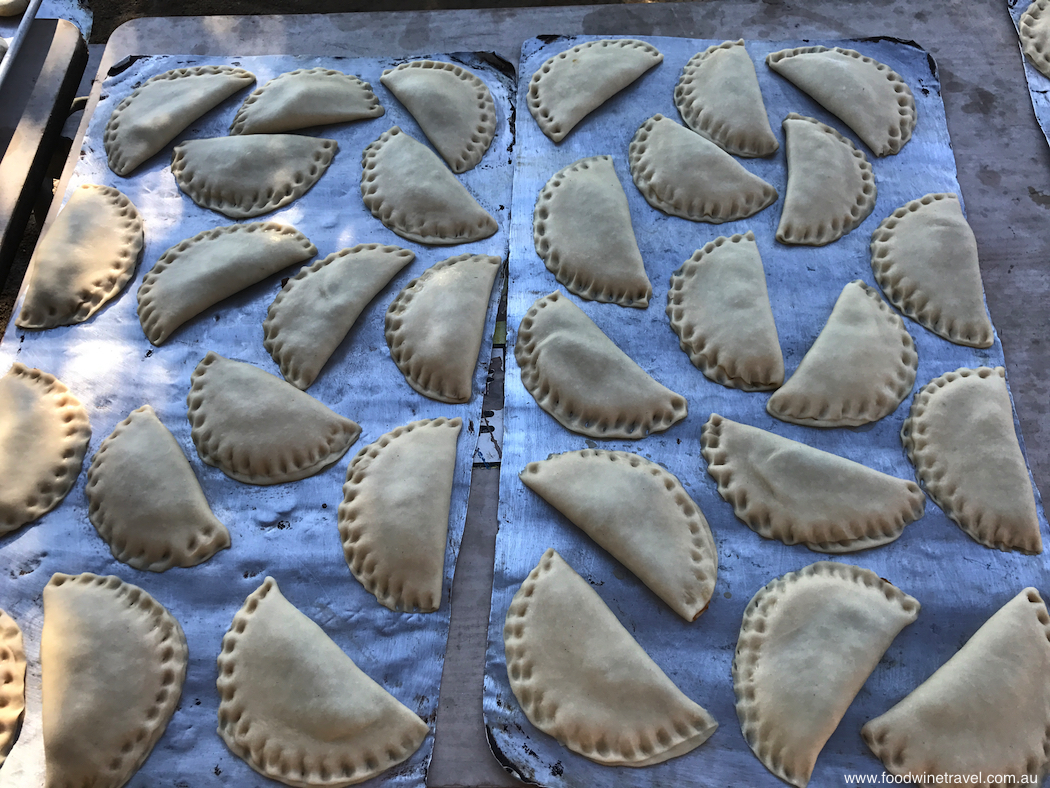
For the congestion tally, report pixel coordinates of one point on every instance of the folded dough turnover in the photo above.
(582, 231)
(574, 83)
(808, 642)
(258, 429)
(1034, 31)
(145, 502)
(960, 437)
(318, 306)
(162, 107)
(85, 258)
(304, 98)
(719, 98)
(581, 378)
(641, 514)
(394, 517)
(112, 664)
(44, 433)
(860, 367)
(718, 306)
(924, 256)
(451, 105)
(581, 678)
(786, 490)
(12, 682)
(436, 325)
(250, 174)
(203, 270)
(830, 188)
(12, 8)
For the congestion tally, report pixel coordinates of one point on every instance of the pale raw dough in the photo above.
(808, 642)
(44, 433)
(12, 8)
(393, 520)
(12, 682)
(1034, 30)
(924, 257)
(85, 258)
(641, 514)
(581, 378)
(318, 306)
(258, 429)
(582, 231)
(145, 502)
(960, 437)
(112, 664)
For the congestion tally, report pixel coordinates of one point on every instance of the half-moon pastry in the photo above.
(44, 433)
(718, 306)
(1034, 31)
(408, 188)
(436, 324)
(574, 83)
(719, 98)
(960, 437)
(393, 520)
(451, 105)
(641, 514)
(12, 682)
(786, 490)
(581, 378)
(319, 305)
(305, 98)
(924, 257)
(250, 174)
(12, 8)
(258, 429)
(157, 111)
(684, 174)
(860, 367)
(582, 230)
(297, 709)
(830, 188)
(112, 664)
(581, 678)
(808, 642)
(145, 502)
(84, 259)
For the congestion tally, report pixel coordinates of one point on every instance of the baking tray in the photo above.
(1038, 82)
(287, 531)
(959, 582)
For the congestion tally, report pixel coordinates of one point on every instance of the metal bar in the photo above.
(16, 43)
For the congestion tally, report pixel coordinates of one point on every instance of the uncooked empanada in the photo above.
(258, 429)
(451, 105)
(250, 174)
(304, 98)
(581, 678)
(318, 306)
(683, 174)
(145, 502)
(157, 111)
(719, 98)
(582, 230)
(297, 709)
(1034, 31)
(860, 367)
(808, 642)
(641, 514)
(84, 260)
(12, 682)
(985, 711)
(112, 664)
(924, 256)
(960, 437)
(44, 433)
(830, 188)
(203, 270)
(868, 96)
(574, 83)
(12, 8)
(393, 520)
(786, 490)
(410, 190)
(581, 378)
(718, 306)
(436, 325)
